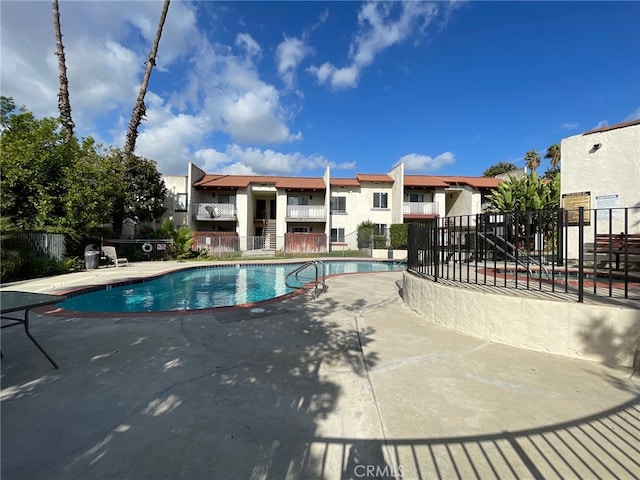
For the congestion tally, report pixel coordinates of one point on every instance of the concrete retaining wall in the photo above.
(379, 253)
(610, 334)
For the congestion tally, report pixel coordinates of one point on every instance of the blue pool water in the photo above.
(209, 287)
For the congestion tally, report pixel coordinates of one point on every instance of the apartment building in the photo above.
(313, 214)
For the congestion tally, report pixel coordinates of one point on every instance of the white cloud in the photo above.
(254, 161)
(601, 123)
(255, 117)
(417, 162)
(569, 126)
(289, 53)
(214, 89)
(244, 40)
(380, 27)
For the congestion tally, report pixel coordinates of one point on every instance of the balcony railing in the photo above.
(214, 211)
(306, 212)
(420, 208)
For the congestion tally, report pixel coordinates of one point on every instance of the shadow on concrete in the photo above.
(604, 445)
(253, 395)
(181, 396)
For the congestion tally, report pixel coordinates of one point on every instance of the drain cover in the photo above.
(257, 310)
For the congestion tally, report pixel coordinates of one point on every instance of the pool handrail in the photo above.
(305, 285)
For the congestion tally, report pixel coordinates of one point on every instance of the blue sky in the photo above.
(287, 88)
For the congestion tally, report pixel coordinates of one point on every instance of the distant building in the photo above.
(600, 170)
(315, 213)
(517, 173)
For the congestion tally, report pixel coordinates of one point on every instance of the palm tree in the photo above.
(139, 111)
(532, 159)
(553, 154)
(64, 104)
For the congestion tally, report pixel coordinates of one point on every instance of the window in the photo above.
(416, 197)
(297, 200)
(300, 229)
(337, 235)
(181, 202)
(380, 200)
(227, 199)
(338, 204)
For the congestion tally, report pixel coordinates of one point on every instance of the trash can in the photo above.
(91, 257)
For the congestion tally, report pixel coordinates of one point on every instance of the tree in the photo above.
(139, 111)
(518, 196)
(525, 193)
(7, 107)
(34, 157)
(553, 154)
(499, 168)
(50, 182)
(532, 160)
(551, 172)
(140, 192)
(64, 103)
(91, 188)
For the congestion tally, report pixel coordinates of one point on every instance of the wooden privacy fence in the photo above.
(216, 241)
(50, 245)
(305, 242)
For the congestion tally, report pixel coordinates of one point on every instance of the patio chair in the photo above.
(112, 256)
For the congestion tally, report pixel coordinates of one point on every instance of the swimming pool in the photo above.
(209, 287)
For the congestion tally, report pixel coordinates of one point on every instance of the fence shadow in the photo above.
(604, 445)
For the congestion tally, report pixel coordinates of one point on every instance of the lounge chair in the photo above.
(112, 256)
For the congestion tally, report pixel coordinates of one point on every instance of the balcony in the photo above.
(209, 212)
(419, 208)
(306, 213)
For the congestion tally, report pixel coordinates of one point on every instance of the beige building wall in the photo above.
(349, 220)
(177, 200)
(607, 165)
(397, 196)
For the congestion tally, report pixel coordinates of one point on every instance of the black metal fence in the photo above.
(581, 252)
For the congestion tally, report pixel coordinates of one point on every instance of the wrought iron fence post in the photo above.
(559, 238)
(580, 254)
(436, 249)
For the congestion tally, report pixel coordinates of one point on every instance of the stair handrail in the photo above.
(513, 257)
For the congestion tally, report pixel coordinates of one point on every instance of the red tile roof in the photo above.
(374, 177)
(475, 182)
(221, 182)
(613, 127)
(243, 181)
(301, 183)
(429, 181)
(345, 182)
(424, 181)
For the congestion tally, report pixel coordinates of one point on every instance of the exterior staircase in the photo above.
(270, 237)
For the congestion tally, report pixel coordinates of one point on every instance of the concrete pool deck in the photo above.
(351, 385)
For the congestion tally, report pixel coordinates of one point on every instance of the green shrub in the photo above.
(398, 235)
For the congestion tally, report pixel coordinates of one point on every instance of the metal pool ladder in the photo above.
(311, 287)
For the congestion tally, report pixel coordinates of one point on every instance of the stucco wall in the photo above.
(614, 168)
(591, 332)
(349, 220)
(459, 201)
(176, 185)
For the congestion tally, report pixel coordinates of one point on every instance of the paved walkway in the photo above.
(352, 385)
